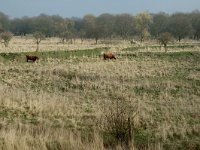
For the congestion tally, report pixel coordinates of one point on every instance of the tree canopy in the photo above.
(125, 26)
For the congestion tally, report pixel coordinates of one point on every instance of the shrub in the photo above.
(118, 123)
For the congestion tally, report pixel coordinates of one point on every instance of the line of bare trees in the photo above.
(125, 26)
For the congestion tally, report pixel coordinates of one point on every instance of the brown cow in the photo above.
(108, 55)
(31, 58)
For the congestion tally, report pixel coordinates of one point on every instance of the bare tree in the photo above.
(164, 39)
(5, 38)
(66, 30)
(38, 37)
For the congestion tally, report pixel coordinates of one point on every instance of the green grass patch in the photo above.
(178, 56)
(54, 54)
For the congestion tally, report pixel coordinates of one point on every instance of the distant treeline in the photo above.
(126, 26)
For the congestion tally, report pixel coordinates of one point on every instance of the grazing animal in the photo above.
(108, 55)
(31, 58)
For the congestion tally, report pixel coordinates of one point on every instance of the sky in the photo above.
(79, 8)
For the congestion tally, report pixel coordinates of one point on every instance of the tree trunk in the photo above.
(165, 46)
(96, 39)
(179, 38)
(38, 42)
(37, 47)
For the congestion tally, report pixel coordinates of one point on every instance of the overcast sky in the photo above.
(79, 8)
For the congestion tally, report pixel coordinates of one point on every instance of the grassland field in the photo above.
(63, 100)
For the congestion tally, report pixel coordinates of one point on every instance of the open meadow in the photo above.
(72, 99)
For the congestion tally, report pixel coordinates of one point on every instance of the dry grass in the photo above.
(27, 44)
(59, 103)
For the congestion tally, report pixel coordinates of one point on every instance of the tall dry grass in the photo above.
(62, 104)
